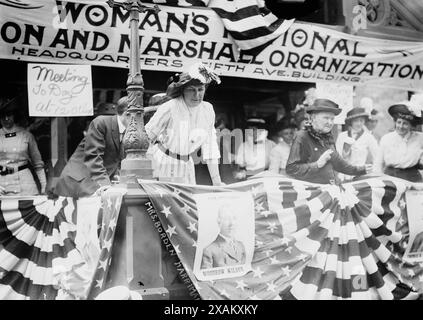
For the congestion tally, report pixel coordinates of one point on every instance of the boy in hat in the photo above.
(313, 156)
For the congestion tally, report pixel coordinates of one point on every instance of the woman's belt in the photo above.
(173, 154)
(5, 170)
(416, 167)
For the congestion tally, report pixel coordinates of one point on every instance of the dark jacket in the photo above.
(221, 253)
(95, 161)
(302, 161)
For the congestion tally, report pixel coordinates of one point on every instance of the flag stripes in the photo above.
(311, 241)
(249, 22)
(37, 246)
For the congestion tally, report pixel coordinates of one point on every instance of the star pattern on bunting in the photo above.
(240, 284)
(272, 226)
(171, 231)
(166, 211)
(224, 293)
(286, 271)
(257, 272)
(271, 287)
(110, 214)
(192, 227)
(274, 260)
(275, 256)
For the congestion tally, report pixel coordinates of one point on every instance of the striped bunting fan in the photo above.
(310, 242)
(50, 249)
(250, 23)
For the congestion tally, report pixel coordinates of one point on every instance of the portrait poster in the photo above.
(59, 90)
(414, 251)
(226, 235)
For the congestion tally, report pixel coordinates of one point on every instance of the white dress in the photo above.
(359, 149)
(182, 130)
(279, 157)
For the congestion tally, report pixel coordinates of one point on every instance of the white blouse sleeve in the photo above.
(159, 121)
(373, 147)
(339, 143)
(378, 164)
(210, 148)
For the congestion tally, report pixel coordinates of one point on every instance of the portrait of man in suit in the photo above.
(97, 158)
(417, 245)
(224, 250)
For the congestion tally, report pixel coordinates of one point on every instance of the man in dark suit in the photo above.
(225, 250)
(417, 245)
(97, 158)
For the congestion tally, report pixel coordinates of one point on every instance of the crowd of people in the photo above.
(184, 132)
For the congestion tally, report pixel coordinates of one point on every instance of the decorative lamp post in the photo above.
(135, 142)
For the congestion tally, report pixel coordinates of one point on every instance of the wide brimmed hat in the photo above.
(324, 105)
(197, 73)
(356, 113)
(256, 122)
(9, 105)
(404, 110)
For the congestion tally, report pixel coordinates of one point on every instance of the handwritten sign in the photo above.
(59, 90)
(338, 93)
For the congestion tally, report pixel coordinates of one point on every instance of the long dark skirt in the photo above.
(411, 174)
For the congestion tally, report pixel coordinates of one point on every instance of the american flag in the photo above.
(36, 240)
(112, 201)
(250, 23)
(311, 241)
(42, 256)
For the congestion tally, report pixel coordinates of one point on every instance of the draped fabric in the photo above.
(250, 23)
(50, 249)
(311, 241)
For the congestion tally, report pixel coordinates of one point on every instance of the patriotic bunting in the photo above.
(311, 241)
(249, 22)
(49, 249)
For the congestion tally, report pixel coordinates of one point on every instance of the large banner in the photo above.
(93, 33)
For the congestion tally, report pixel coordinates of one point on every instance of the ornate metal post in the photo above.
(135, 142)
(140, 266)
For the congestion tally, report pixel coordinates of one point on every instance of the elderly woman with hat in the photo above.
(19, 154)
(183, 125)
(253, 155)
(356, 143)
(313, 156)
(401, 150)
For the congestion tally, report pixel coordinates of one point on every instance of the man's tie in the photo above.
(121, 149)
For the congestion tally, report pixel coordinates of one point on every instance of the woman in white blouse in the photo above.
(183, 125)
(401, 150)
(355, 144)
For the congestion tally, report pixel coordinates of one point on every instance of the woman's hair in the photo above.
(397, 116)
